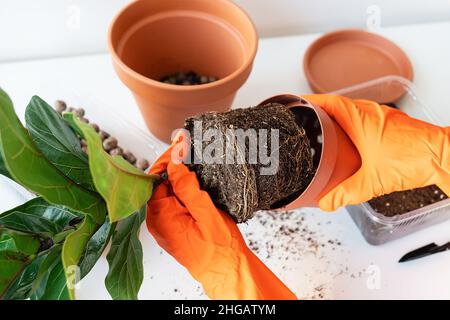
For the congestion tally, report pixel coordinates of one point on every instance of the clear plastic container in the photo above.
(375, 227)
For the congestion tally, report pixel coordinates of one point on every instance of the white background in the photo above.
(344, 273)
(45, 28)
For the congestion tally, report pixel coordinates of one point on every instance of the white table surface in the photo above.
(343, 273)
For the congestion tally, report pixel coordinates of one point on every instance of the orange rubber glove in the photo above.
(398, 152)
(184, 221)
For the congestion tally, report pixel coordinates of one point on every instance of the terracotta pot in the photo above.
(336, 157)
(150, 39)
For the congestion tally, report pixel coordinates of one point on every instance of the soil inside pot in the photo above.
(189, 78)
(401, 202)
(241, 188)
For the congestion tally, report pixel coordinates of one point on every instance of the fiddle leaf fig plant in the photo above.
(112, 172)
(82, 202)
(56, 140)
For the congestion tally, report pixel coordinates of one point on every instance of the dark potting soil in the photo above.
(401, 202)
(239, 188)
(189, 78)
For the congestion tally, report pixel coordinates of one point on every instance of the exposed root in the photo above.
(239, 188)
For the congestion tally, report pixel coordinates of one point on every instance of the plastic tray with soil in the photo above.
(385, 219)
(398, 203)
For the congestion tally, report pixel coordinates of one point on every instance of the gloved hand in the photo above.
(397, 152)
(184, 221)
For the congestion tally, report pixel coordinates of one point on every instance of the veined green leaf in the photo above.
(15, 241)
(50, 282)
(126, 273)
(73, 249)
(17, 250)
(58, 142)
(56, 288)
(28, 166)
(38, 216)
(12, 265)
(95, 248)
(124, 188)
(22, 287)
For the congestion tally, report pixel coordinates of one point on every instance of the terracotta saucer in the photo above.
(347, 57)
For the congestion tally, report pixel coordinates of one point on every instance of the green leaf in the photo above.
(124, 188)
(125, 259)
(73, 249)
(95, 248)
(57, 141)
(22, 287)
(56, 288)
(12, 264)
(50, 282)
(29, 167)
(15, 241)
(17, 250)
(3, 170)
(61, 237)
(39, 217)
(42, 279)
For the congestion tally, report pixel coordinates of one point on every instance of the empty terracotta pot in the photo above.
(150, 39)
(335, 157)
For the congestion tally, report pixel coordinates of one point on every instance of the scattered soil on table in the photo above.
(285, 240)
(401, 202)
(189, 78)
(239, 188)
(290, 236)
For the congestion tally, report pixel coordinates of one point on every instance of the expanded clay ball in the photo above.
(142, 164)
(60, 106)
(110, 143)
(116, 151)
(95, 127)
(79, 112)
(189, 78)
(129, 156)
(104, 135)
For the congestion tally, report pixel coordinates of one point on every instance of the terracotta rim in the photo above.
(175, 88)
(328, 156)
(317, 44)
